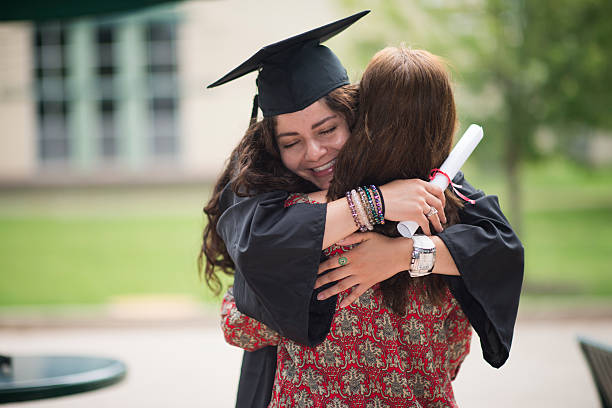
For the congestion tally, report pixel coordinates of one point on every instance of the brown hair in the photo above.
(404, 129)
(255, 167)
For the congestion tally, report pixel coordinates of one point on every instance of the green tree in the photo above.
(522, 66)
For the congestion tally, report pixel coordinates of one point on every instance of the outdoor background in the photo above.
(110, 144)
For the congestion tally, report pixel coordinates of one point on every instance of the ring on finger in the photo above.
(432, 211)
(342, 261)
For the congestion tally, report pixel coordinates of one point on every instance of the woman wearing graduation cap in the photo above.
(275, 251)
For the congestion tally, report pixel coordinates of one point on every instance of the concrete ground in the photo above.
(189, 365)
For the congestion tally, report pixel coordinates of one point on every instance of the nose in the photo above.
(315, 150)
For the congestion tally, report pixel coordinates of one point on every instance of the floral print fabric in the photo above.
(371, 357)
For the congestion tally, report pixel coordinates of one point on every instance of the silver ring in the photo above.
(431, 212)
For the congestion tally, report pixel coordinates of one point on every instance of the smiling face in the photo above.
(309, 141)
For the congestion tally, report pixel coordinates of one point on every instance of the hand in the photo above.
(411, 200)
(376, 258)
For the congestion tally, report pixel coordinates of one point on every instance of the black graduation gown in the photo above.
(277, 251)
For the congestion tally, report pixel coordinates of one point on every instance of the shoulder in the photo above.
(297, 198)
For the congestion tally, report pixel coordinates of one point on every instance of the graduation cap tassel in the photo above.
(254, 110)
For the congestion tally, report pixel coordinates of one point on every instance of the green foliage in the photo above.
(570, 42)
(526, 64)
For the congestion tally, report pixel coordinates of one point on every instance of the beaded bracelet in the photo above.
(380, 208)
(367, 205)
(363, 217)
(370, 204)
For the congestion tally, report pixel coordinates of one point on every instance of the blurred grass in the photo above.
(90, 245)
(566, 226)
(87, 260)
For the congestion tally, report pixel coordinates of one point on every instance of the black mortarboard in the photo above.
(295, 72)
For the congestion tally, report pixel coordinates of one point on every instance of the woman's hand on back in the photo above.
(376, 258)
(412, 200)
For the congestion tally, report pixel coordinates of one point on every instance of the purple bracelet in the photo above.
(380, 204)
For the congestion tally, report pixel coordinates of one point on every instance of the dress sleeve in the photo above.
(242, 331)
(276, 252)
(490, 259)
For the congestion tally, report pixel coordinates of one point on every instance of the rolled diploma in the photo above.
(457, 157)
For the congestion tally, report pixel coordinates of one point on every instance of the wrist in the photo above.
(405, 251)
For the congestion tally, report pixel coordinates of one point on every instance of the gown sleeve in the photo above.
(490, 259)
(276, 252)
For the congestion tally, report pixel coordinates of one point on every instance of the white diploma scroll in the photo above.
(462, 150)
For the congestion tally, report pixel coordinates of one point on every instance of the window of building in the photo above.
(107, 91)
(52, 105)
(105, 55)
(162, 88)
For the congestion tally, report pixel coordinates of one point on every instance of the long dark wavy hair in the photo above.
(405, 126)
(255, 167)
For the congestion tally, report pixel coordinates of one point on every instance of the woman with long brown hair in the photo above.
(274, 251)
(402, 343)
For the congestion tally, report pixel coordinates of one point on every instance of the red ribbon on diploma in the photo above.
(435, 172)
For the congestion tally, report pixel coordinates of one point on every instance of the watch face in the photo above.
(426, 261)
(423, 256)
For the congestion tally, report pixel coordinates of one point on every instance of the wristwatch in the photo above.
(423, 256)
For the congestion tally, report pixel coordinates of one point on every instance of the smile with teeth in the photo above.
(324, 167)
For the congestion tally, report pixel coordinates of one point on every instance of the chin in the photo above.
(323, 185)
(320, 183)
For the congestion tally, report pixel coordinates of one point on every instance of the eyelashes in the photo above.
(327, 131)
(289, 145)
(322, 132)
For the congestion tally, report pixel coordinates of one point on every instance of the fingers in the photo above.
(333, 276)
(436, 191)
(332, 263)
(434, 219)
(424, 224)
(341, 286)
(353, 296)
(435, 202)
(437, 224)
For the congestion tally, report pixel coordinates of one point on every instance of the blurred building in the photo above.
(122, 98)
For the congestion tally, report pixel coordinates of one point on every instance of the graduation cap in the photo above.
(295, 72)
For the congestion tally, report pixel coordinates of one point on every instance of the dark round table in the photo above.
(25, 378)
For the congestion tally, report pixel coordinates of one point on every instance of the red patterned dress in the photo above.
(371, 358)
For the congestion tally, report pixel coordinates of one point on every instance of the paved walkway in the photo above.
(191, 366)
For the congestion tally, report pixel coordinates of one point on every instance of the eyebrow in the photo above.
(316, 125)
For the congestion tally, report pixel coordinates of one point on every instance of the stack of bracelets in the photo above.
(367, 207)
